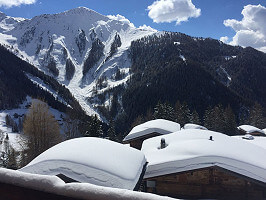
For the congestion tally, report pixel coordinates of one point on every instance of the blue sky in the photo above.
(209, 23)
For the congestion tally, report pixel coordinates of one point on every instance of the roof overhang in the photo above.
(236, 166)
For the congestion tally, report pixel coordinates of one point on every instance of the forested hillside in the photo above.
(200, 72)
(15, 85)
(248, 71)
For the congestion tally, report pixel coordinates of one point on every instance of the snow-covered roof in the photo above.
(91, 160)
(160, 126)
(256, 140)
(250, 129)
(192, 149)
(194, 126)
(54, 185)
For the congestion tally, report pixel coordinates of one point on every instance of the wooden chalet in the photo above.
(251, 130)
(148, 130)
(137, 142)
(202, 164)
(206, 183)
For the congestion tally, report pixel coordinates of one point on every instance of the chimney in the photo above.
(163, 143)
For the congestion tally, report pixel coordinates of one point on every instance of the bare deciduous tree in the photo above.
(41, 129)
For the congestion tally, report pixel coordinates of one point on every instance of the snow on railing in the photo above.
(56, 186)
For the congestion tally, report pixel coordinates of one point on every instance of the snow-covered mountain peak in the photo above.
(82, 11)
(75, 18)
(76, 14)
(77, 47)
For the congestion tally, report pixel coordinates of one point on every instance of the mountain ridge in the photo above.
(102, 61)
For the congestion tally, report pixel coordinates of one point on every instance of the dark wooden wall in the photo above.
(214, 183)
(137, 142)
(12, 192)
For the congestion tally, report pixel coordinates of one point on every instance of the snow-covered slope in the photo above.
(60, 45)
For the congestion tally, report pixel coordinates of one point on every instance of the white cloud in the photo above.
(224, 39)
(147, 28)
(172, 10)
(121, 18)
(11, 3)
(251, 30)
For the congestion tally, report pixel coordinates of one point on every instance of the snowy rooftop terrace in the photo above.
(192, 149)
(91, 160)
(160, 126)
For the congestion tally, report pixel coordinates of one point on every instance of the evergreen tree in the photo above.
(23, 161)
(256, 117)
(229, 121)
(6, 144)
(186, 113)
(182, 113)
(111, 131)
(158, 111)
(164, 111)
(213, 118)
(194, 118)
(220, 120)
(94, 127)
(12, 159)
